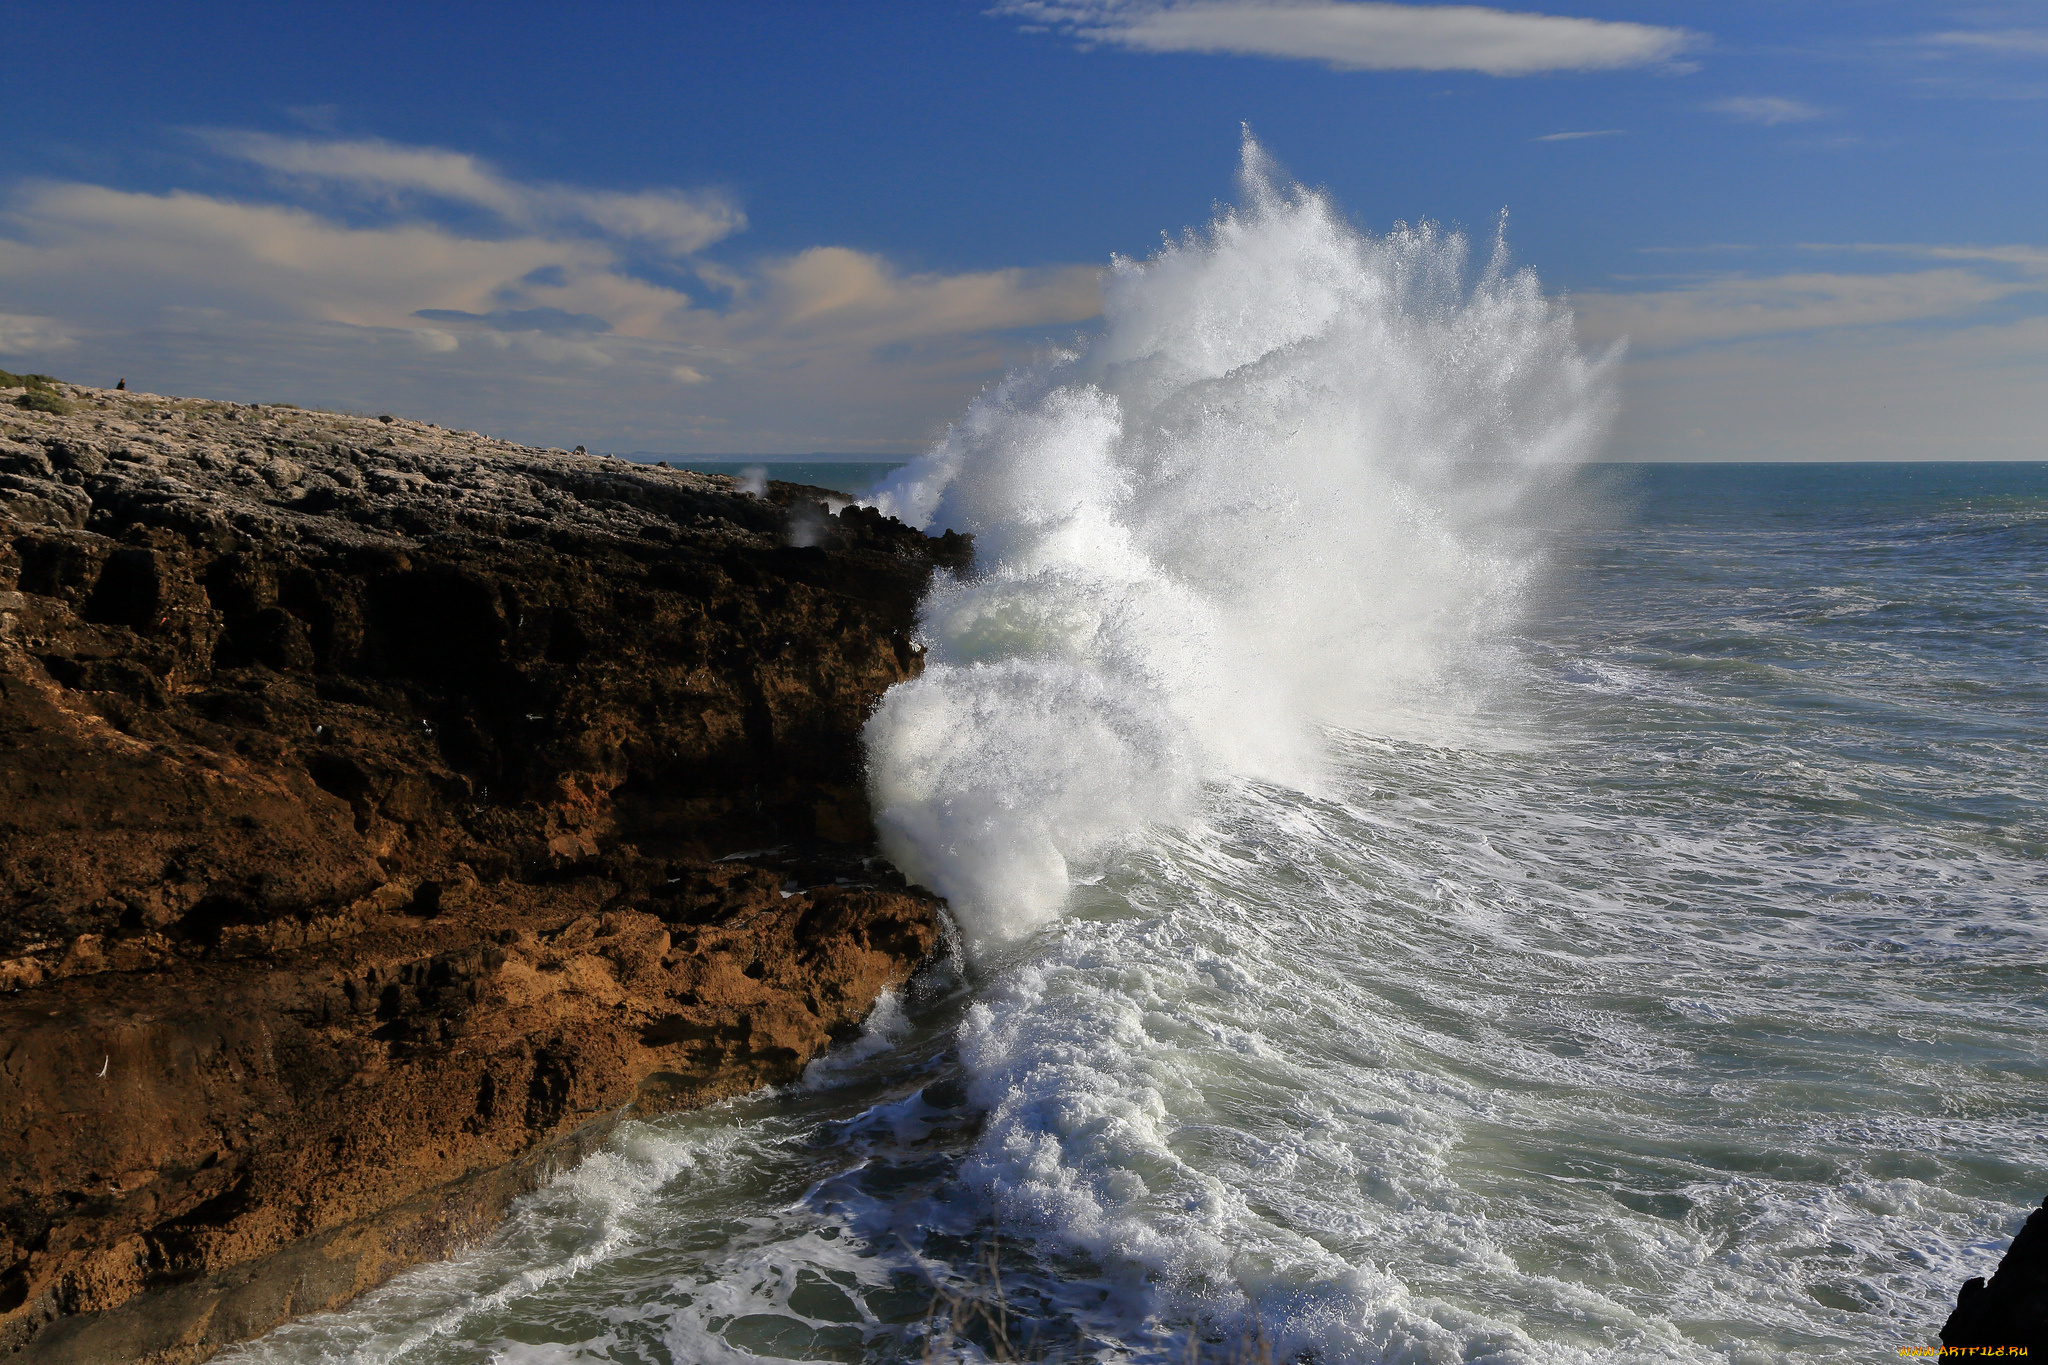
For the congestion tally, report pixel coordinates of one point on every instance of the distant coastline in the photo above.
(729, 457)
(851, 475)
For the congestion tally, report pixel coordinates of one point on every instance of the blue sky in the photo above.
(794, 227)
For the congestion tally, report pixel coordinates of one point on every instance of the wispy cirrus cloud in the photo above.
(2029, 259)
(79, 244)
(136, 249)
(675, 221)
(2007, 42)
(24, 335)
(1361, 35)
(1742, 307)
(1574, 137)
(1900, 362)
(1766, 109)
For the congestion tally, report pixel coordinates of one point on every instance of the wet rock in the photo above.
(2011, 1309)
(366, 791)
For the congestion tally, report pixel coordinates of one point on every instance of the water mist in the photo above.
(1709, 1030)
(1267, 499)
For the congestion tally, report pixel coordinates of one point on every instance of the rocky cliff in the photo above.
(368, 801)
(2011, 1309)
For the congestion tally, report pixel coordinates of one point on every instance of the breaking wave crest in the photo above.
(1274, 495)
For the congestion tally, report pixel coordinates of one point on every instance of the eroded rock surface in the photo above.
(366, 797)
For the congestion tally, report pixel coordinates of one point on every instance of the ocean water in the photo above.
(852, 477)
(1420, 894)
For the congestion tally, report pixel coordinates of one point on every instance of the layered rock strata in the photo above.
(368, 793)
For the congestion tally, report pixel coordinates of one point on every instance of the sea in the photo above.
(850, 475)
(1418, 892)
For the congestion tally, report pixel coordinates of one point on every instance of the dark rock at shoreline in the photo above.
(2011, 1309)
(366, 797)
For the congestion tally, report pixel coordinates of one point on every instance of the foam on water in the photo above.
(1683, 1001)
(1640, 1046)
(1273, 495)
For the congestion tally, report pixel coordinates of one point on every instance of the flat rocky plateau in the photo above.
(369, 802)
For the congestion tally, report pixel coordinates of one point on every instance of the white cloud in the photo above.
(128, 250)
(1903, 364)
(551, 349)
(2030, 259)
(1358, 35)
(375, 166)
(520, 324)
(1731, 308)
(2009, 42)
(2027, 257)
(675, 221)
(85, 246)
(836, 349)
(1766, 109)
(850, 292)
(20, 335)
(1574, 137)
(1971, 393)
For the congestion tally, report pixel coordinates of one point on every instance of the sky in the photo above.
(747, 228)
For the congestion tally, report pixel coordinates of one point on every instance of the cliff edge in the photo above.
(2011, 1309)
(368, 797)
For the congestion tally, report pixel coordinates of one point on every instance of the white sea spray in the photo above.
(1705, 1026)
(1273, 495)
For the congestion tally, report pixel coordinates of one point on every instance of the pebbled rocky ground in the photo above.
(368, 801)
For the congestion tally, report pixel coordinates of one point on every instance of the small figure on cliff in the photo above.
(122, 385)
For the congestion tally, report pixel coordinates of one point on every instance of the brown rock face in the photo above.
(361, 786)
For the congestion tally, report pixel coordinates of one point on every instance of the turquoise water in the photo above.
(1670, 988)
